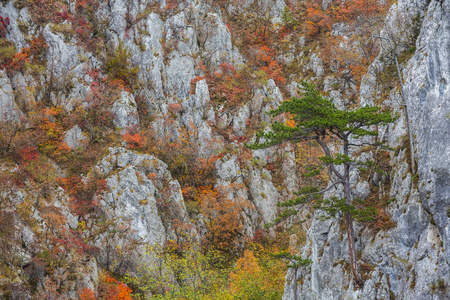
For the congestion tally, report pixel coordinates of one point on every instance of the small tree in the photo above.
(316, 118)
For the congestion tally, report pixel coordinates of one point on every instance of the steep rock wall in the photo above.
(411, 259)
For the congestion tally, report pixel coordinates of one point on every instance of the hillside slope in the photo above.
(124, 124)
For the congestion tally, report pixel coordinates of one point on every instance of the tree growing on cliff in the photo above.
(315, 118)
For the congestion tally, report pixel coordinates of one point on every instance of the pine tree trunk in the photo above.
(349, 223)
(352, 250)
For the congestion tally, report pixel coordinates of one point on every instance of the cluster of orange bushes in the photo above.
(351, 57)
(133, 140)
(317, 20)
(264, 59)
(359, 10)
(171, 4)
(224, 220)
(109, 289)
(34, 53)
(83, 194)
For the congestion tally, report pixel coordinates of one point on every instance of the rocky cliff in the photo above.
(411, 259)
(161, 69)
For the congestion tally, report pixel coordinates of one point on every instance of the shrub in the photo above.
(134, 140)
(86, 294)
(119, 67)
(257, 277)
(223, 219)
(110, 288)
(316, 21)
(7, 51)
(364, 12)
(288, 19)
(263, 59)
(42, 11)
(96, 118)
(4, 23)
(190, 274)
(228, 87)
(34, 54)
(83, 194)
(190, 163)
(52, 126)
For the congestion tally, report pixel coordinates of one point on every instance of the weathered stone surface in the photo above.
(74, 137)
(25, 89)
(215, 40)
(14, 34)
(409, 259)
(315, 64)
(63, 58)
(151, 60)
(196, 108)
(125, 111)
(8, 108)
(427, 93)
(140, 192)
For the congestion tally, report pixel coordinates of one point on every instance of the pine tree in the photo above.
(316, 118)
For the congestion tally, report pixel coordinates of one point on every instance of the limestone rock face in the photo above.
(8, 108)
(142, 195)
(427, 93)
(125, 111)
(316, 65)
(64, 57)
(14, 34)
(74, 137)
(410, 258)
(66, 68)
(135, 197)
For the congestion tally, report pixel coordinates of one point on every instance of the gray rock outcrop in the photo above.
(74, 137)
(141, 195)
(411, 260)
(8, 108)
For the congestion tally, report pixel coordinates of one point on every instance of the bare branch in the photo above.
(328, 153)
(329, 188)
(363, 144)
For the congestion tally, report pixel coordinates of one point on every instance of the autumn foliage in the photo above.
(171, 4)
(111, 289)
(86, 294)
(257, 275)
(264, 59)
(52, 124)
(83, 194)
(228, 87)
(43, 11)
(190, 162)
(108, 289)
(133, 140)
(360, 10)
(33, 53)
(4, 23)
(317, 21)
(96, 117)
(223, 218)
